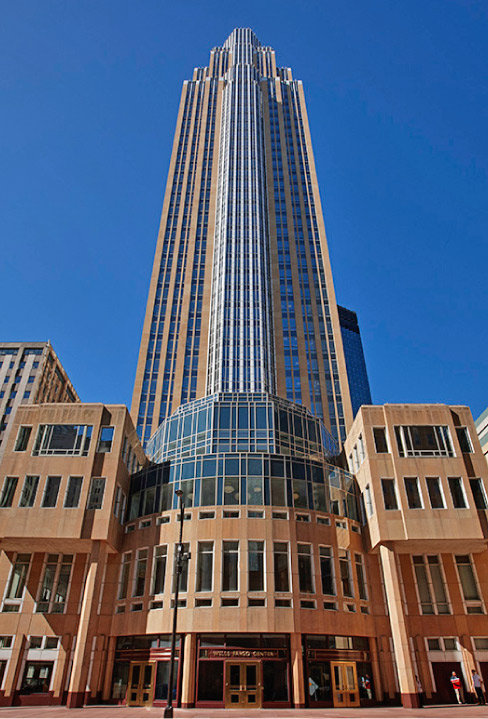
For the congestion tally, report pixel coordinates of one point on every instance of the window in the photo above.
(457, 492)
(5, 643)
(53, 590)
(37, 678)
(434, 645)
(231, 490)
(469, 585)
(380, 441)
(105, 440)
(29, 491)
(230, 561)
(430, 585)
(464, 440)
(16, 583)
(22, 440)
(184, 571)
(389, 494)
(281, 567)
(436, 495)
(138, 590)
(361, 577)
(345, 572)
(305, 571)
(124, 575)
(327, 570)
(8, 491)
(256, 566)
(481, 643)
(63, 439)
(51, 491)
(73, 491)
(96, 493)
(412, 490)
(424, 441)
(368, 501)
(479, 494)
(204, 567)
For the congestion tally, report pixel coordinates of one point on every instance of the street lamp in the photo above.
(180, 557)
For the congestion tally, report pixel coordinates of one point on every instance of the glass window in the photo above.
(63, 439)
(300, 496)
(278, 492)
(139, 587)
(124, 575)
(361, 577)
(204, 567)
(412, 490)
(436, 495)
(467, 578)
(345, 570)
(18, 577)
(255, 490)
(106, 439)
(53, 591)
(464, 440)
(380, 442)
(389, 494)
(230, 564)
(231, 490)
(184, 569)
(73, 492)
(29, 491)
(327, 570)
(22, 440)
(256, 566)
(37, 678)
(281, 567)
(479, 494)
(8, 491)
(51, 491)
(208, 491)
(159, 569)
(457, 492)
(368, 501)
(96, 493)
(430, 585)
(305, 570)
(424, 441)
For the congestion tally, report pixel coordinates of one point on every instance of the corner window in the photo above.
(22, 440)
(464, 440)
(105, 439)
(389, 494)
(380, 441)
(412, 490)
(479, 494)
(457, 492)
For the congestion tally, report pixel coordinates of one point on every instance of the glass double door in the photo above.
(140, 690)
(243, 686)
(345, 684)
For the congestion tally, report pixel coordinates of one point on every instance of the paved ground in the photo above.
(116, 712)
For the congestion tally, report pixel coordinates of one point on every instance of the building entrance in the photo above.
(243, 685)
(140, 690)
(345, 684)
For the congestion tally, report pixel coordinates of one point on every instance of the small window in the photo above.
(450, 644)
(434, 645)
(434, 489)
(479, 494)
(5, 642)
(380, 441)
(51, 643)
(73, 492)
(480, 643)
(464, 440)
(330, 606)
(323, 520)
(280, 515)
(206, 515)
(389, 494)
(307, 604)
(35, 642)
(203, 602)
(255, 602)
(282, 603)
(22, 440)
(457, 492)
(229, 602)
(106, 439)
(96, 493)
(412, 490)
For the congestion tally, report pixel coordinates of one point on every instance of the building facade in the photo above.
(357, 373)
(30, 372)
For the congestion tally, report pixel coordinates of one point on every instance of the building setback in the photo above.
(328, 561)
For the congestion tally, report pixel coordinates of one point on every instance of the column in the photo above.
(86, 627)
(297, 671)
(188, 676)
(401, 648)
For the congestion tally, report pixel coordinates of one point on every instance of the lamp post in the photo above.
(180, 557)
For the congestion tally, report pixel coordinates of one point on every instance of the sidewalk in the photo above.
(116, 712)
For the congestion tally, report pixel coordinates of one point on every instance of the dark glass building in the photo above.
(357, 373)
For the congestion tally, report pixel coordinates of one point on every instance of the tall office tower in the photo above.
(30, 373)
(357, 373)
(241, 296)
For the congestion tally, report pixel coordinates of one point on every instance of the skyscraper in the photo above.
(357, 373)
(241, 296)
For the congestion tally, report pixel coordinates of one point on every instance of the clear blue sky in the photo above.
(398, 105)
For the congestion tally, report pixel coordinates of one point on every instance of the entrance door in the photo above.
(243, 686)
(442, 672)
(345, 684)
(140, 690)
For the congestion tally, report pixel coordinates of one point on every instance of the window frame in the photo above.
(395, 494)
(434, 601)
(441, 492)
(16, 601)
(419, 491)
(460, 481)
(387, 443)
